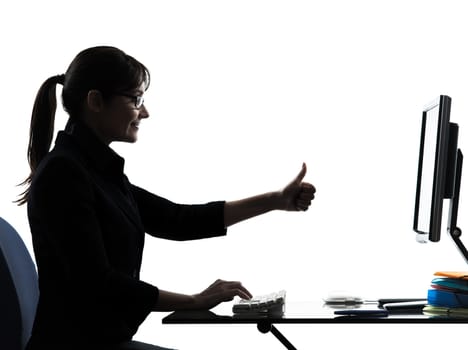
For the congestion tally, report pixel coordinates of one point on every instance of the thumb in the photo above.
(301, 174)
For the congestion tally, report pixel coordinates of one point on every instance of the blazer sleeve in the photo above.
(180, 222)
(61, 205)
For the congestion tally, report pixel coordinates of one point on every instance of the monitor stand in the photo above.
(454, 231)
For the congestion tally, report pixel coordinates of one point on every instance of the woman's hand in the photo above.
(220, 291)
(297, 195)
(215, 294)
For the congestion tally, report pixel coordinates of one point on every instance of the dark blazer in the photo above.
(88, 225)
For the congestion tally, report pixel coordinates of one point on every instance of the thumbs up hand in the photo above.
(298, 195)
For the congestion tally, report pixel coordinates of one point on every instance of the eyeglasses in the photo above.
(138, 100)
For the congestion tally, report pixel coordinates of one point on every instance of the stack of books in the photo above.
(448, 295)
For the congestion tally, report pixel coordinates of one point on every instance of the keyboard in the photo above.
(268, 304)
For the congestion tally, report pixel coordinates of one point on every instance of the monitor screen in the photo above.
(430, 191)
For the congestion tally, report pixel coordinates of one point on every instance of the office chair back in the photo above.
(19, 291)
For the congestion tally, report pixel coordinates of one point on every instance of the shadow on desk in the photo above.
(191, 316)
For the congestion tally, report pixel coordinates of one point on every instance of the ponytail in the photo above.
(41, 130)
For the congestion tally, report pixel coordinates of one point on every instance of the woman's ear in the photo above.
(94, 100)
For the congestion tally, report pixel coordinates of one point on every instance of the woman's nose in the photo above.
(143, 112)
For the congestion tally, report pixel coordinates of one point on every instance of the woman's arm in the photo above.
(220, 291)
(296, 196)
(165, 219)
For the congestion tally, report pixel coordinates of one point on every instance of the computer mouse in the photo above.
(342, 297)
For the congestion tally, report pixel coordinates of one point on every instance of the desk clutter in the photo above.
(448, 295)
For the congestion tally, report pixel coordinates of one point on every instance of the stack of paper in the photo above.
(448, 294)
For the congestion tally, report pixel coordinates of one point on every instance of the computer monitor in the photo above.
(433, 152)
(439, 174)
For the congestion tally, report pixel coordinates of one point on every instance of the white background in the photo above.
(242, 93)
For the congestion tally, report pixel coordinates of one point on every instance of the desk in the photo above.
(301, 313)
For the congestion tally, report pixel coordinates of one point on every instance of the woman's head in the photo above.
(103, 86)
(105, 69)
